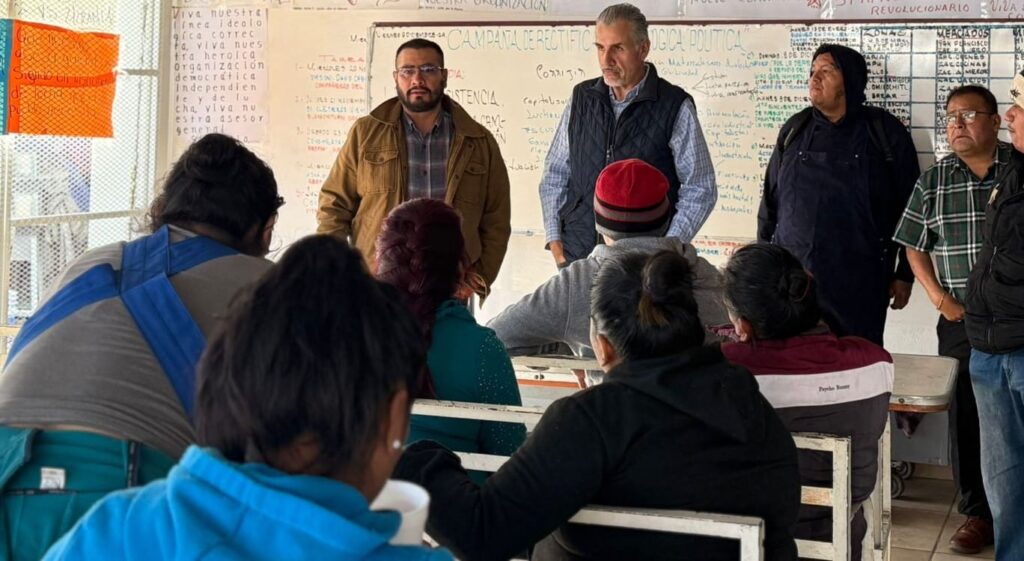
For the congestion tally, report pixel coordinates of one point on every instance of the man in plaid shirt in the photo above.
(420, 144)
(945, 216)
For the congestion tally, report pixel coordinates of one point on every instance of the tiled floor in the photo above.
(925, 517)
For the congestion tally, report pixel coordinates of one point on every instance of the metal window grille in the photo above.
(61, 196)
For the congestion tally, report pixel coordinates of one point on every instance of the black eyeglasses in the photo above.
(968, 116)
(428, 70)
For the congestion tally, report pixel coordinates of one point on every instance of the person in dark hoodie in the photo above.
(673, 426)
(785, 343)
(842, 170)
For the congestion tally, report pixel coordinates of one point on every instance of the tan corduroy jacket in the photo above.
(369, 179)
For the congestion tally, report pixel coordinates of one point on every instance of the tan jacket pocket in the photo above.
(378, 172)
(472, 183)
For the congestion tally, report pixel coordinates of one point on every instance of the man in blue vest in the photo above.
(98, 387)
(627, 113)
(835, 187)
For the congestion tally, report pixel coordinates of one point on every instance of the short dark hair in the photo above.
(218, 182)
(644, 305)
(420, 43)
(317, 347)
(991, 105)
(767, 286)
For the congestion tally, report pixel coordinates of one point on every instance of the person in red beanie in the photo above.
(631, 213)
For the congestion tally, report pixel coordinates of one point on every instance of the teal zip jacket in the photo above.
(215, 510)
(469, 363)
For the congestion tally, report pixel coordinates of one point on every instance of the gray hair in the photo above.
(626, 12)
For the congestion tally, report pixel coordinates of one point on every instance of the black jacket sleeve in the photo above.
(554, 474)
(906, 171)
(766, 212)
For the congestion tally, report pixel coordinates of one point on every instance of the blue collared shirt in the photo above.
(697, 190)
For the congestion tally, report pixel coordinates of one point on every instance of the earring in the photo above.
(396, 444)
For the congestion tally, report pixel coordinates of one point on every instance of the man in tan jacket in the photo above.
(420, 144)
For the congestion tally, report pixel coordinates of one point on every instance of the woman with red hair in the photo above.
(422, 253)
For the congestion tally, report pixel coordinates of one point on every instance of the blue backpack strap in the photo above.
(195, 251)
(145, 258)
(98, 283)
(161, 316)
(145, 288)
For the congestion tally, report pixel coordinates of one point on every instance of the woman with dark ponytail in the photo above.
(816, 380)
(673, 426)
(421, 252)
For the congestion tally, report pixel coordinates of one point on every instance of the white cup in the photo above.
(409, 500)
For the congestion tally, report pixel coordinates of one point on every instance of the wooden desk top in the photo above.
(923, 384)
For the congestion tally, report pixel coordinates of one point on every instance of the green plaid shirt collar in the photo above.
(945, 216)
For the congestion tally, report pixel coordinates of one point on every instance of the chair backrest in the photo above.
(837, 497)
(748, 530)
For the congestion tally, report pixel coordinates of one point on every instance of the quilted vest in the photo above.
(596, 139)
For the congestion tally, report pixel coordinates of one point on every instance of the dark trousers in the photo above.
(964, 433)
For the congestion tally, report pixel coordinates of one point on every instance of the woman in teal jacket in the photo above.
(302, 407)
(421, 252)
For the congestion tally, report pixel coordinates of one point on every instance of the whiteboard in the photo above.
(746, 80)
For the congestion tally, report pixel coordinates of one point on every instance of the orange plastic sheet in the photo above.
(56, 81)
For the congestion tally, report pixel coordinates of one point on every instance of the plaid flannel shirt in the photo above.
(945, 216)
(428, 157)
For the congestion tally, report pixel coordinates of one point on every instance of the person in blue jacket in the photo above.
(302, 408)
(421, 252)
(835, 188)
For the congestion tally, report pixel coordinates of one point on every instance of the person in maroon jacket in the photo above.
(817, 381)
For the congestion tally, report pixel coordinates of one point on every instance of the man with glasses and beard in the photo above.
(420, 144)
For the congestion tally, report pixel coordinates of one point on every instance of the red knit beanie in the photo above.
(631, 199)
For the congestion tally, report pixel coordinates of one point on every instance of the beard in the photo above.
(613, 80)
(426, 102)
